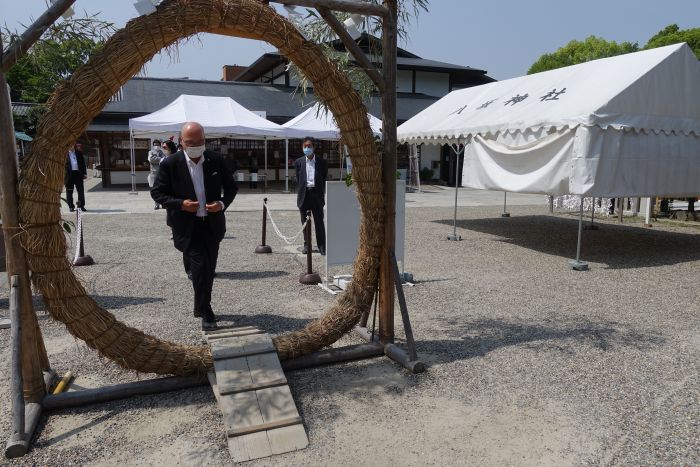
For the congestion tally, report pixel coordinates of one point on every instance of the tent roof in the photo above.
(220, 116)
(320, 124)
(655, 90)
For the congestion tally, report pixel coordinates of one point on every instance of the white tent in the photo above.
(220, 117)
(319, 124)
(620, 126)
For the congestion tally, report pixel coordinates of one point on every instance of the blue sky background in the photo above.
(503, 37)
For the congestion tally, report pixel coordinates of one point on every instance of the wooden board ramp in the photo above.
(260, 417)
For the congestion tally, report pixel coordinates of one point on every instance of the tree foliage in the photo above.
(672, 34)
(595, 47)
(575, 52)
(61, 50)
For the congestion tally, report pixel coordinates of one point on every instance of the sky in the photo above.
(503, 37)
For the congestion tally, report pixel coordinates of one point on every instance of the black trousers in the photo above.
(75, 179)
(202, 255)
(313, 201)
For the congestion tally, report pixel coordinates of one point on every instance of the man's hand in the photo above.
(190, 206)
(214, 207)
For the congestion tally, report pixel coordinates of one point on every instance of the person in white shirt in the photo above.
(189, 184)
(76, 172)
(312, 172)
(155, 155)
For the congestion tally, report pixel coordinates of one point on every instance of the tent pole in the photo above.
(592, 226)
(454, 237)
(266, 164)
(647, 213)
(577, 264)
(132, 161)
(620, 208)
(551, 204)
(286, 165)
(505, 213)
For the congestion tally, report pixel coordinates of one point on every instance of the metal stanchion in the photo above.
(81, 259)
(309, 277)
(263, 247)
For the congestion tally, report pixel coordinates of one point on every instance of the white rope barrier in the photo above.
(287, 240)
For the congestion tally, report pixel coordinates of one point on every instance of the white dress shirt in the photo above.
(73, 161)
(197, 175)
(311, 172)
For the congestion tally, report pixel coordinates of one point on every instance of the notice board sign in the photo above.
(343, 222)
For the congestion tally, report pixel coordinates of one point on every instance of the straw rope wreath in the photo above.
(76, 102)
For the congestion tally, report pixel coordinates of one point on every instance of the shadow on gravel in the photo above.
(249, 275)
(272, 324)
(618, 246)
(111, 302)
(477, 338)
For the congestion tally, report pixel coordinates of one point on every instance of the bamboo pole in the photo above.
(34, 359)
(347, 6)
(353, 48)
(386, 277)
(18, 444)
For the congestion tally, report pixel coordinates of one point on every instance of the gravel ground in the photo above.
(528, 362)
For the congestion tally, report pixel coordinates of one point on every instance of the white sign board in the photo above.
(343, 222)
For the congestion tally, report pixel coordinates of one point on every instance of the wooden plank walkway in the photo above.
(260, 417)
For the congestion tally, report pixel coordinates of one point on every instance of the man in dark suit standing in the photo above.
(189, 185)
(312, 173)
(76, 172)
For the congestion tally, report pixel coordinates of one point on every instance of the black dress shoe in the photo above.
(322, 250)
(71, 209)
(304, 250)
(208, 325)
(189, 275)
(83, 209)
(156, 206)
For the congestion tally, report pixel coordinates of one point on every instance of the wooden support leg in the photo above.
(33, 350)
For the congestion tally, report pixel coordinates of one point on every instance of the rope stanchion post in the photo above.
(309, 277)
(264, 247)
(81, 259)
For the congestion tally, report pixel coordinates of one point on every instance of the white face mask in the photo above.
(195, 151)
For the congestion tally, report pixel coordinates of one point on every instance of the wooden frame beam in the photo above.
(34, 32)
(389, 141)
(346, 6)
(353, 48)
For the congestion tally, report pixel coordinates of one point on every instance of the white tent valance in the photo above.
(220, 117)
(319, 124)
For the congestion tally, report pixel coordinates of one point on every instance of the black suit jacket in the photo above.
(173, 185)
(81, 166)
(320, 176)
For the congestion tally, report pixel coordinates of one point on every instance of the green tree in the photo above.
(61, 50)
(672, 34)
(576, 52)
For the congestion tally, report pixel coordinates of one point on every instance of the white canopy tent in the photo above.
(620, 126)
(220, 117)
(319, 124)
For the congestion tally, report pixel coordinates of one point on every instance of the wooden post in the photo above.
(386, 276)
(34, 358)
(17, 445)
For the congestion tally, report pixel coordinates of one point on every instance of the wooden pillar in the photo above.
(386, 277)
(34, 359)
